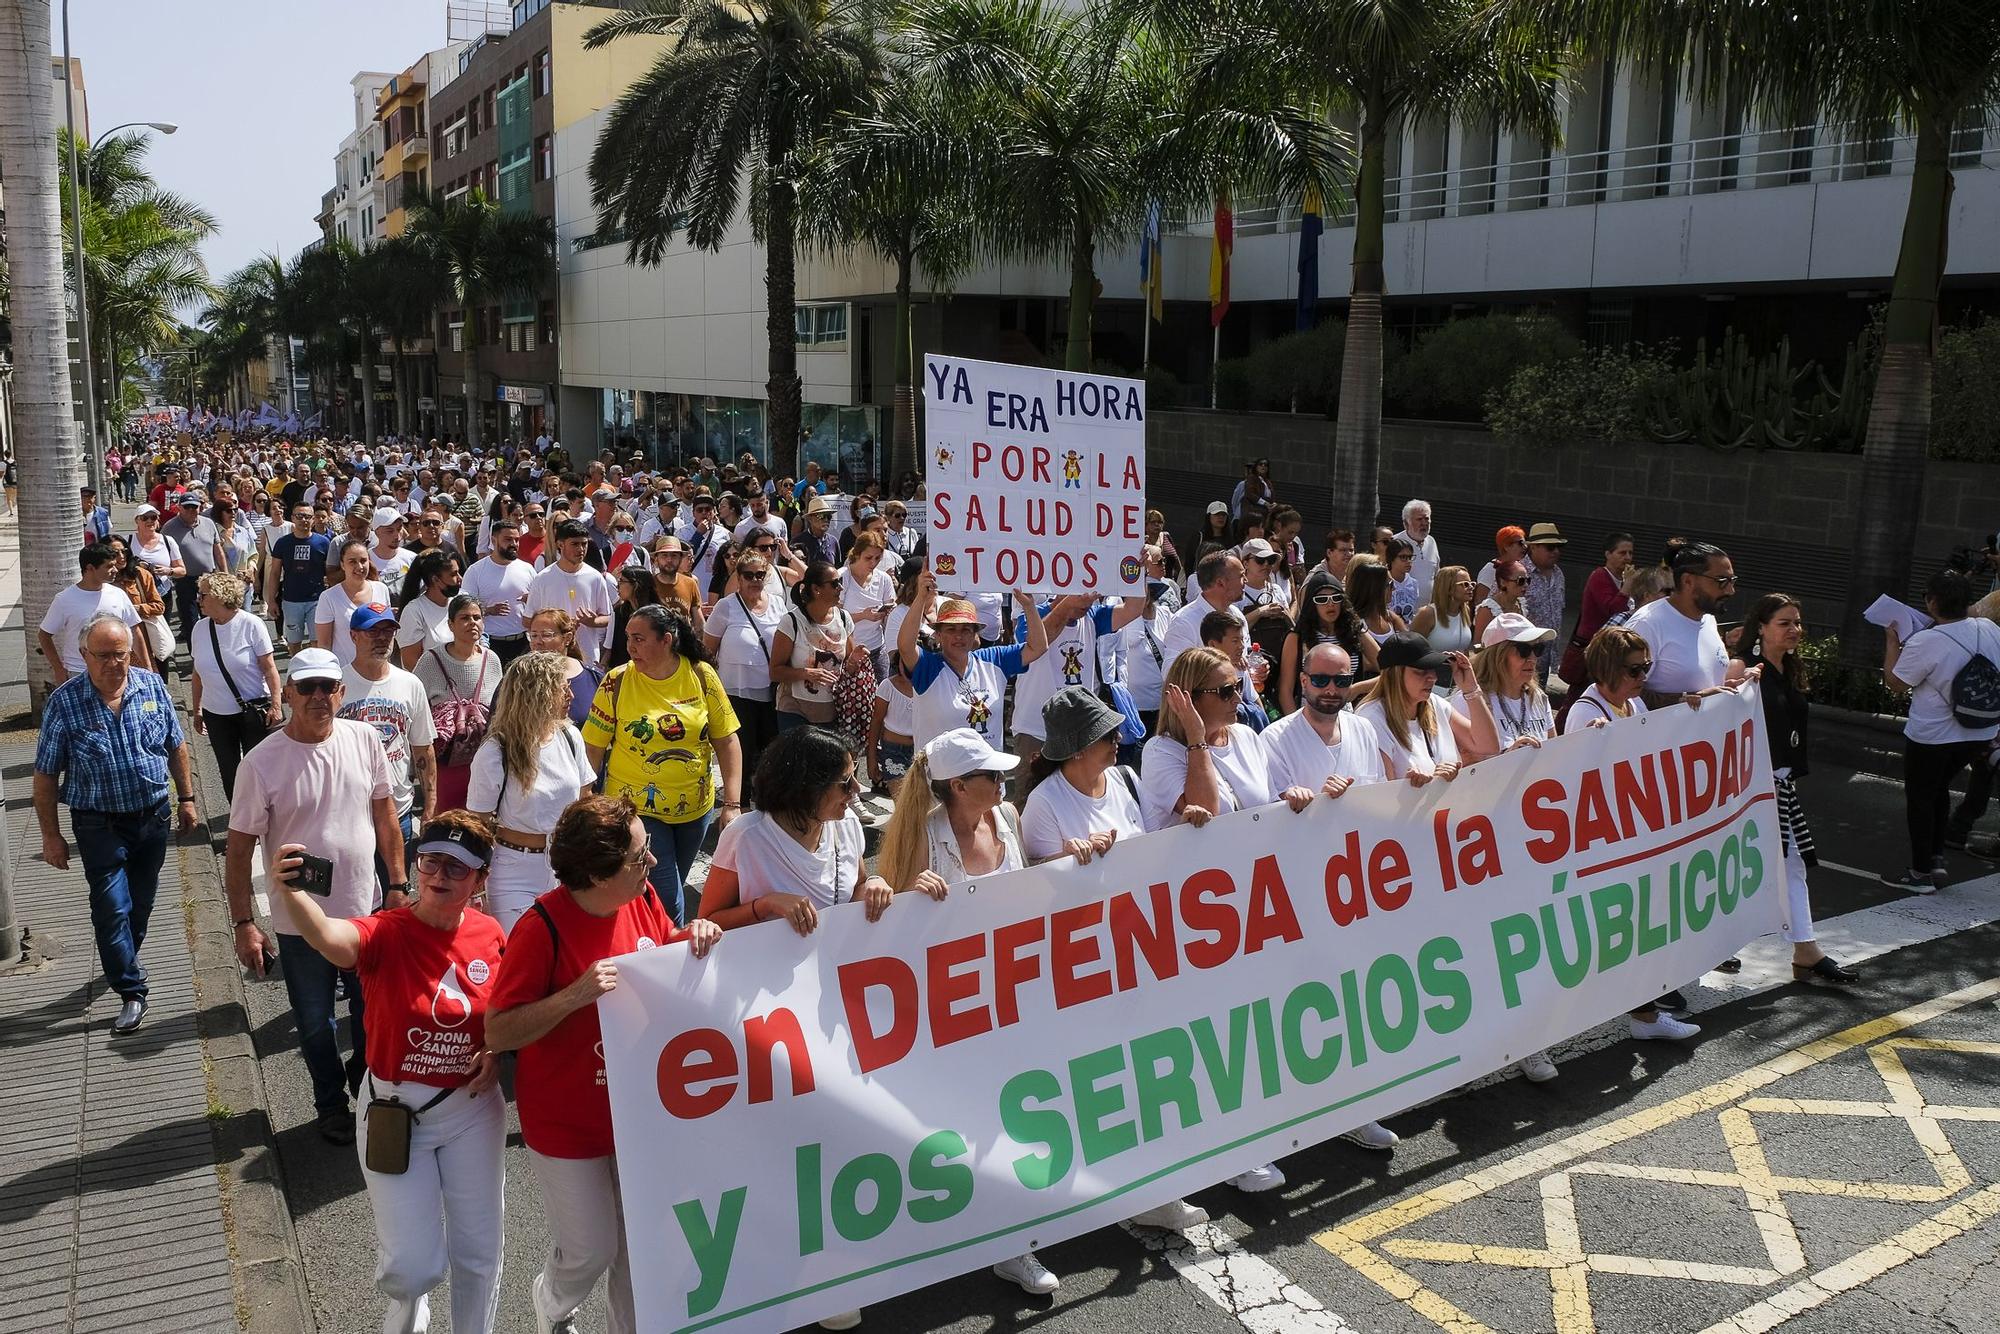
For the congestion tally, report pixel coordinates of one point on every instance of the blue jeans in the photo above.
(309, 980)
(674, 847)
(122, 853)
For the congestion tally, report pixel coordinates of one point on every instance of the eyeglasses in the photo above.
(445, 868)
(850, 784)
(1638, 670)
(1522, 582)
(643, 858)
(318, 686)
(1321, 680)
(1723, 580)
(112, 655)
(1328, 598)
(1222, 691)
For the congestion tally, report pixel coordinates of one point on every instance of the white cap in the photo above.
(144, 510)
(386, 516)
(962, 751)
(1257, 547)
(314, 664)
(1513, 627)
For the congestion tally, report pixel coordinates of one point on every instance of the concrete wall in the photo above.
(1785, 518)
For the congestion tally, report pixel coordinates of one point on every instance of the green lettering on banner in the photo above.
(1317, 999)
(1225, 1072)
(849, 1219)
(1392, 970)
(1267, 1046)
(1154, 1088)
(1652, 935)
(1699, 910)
(1350, 1005)
(1568, 971)
(805, 1170)
(1517, 948)
(939, 1186)
(1611, 906)
(1753, 862)
(1093, 1104)
(712, 1248)
(1028, 1126)
(1450, 987)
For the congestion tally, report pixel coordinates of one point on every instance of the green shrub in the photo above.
(1965, 394)
(1232, 385)
(1163, 388)
(1452, 370)
(1298, 372)
(1597, 395)
(1844, 685)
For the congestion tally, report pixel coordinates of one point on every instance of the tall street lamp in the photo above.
(93, 456)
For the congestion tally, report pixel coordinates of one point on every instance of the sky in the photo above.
(259, 90)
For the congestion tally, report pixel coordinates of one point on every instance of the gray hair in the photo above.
(223, 586)
(1411, 507)
(102, 618)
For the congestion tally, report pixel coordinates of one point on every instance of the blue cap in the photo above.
(369, 615)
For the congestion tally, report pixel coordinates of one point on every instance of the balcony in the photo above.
(416, 148)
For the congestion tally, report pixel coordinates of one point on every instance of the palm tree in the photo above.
(1382, 62)
(743, 84)
(1929, 66)
(400, 286)
(261, 301)
(45, 431)
(480, 252)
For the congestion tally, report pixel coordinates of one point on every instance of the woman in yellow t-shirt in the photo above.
(659, 726)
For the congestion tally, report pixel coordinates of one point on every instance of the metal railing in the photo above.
(1746, 160)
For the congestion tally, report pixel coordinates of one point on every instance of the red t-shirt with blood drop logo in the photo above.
(427, 992)
(559, 1085)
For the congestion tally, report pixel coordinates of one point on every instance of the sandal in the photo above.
(1828, 972)
(1730, 966)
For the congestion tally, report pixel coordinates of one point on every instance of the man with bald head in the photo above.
(109, 744)
(1324, 747)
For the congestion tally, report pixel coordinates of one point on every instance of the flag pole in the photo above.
(1214, 364)
(1146, 348)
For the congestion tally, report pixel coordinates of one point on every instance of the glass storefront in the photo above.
(672, 428)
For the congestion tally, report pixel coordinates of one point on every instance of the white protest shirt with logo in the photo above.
(400, 712)
(587, 590)
(1688, 654)
(767, 860)
(1070, 660)
(1299, 758)
(1242, 776)
(977, 699)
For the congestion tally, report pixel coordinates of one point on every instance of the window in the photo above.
(820, 324)
(545, 158)
(548, 322)
(544, 74)
(456, 335)
(486, 116)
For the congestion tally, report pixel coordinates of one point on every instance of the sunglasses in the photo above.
(764, 546)
(1220, 692)
(447, 868)
(1327, 599)
(1264, 560)
(624, 532)
(1321, 680)
(1724, 580)
(1516, 583)
(533, 514)
(752, 574)
(1638, 670)
(1523, 650)
(850, 784)
(320, 686)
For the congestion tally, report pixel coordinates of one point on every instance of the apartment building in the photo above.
(353, 210)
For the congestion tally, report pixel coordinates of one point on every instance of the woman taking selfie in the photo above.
(433, 1140)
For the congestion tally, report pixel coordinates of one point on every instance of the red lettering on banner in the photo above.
(1154, 939)
(697, 1056)
(1069, 951)
(1011, 968)
(1202, 915)
(874, 1050)
(761, 1039)
(1270, 916)
(948, 988)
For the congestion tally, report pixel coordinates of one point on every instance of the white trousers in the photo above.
(443, 1216)
(516, 880)
(1798, 900)
(580, 1200)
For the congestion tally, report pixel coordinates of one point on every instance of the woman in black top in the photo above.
(1771, 636)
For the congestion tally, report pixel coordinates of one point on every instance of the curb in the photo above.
(269, 1270)
(1887, 724)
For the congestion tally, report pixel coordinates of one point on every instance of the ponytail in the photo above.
(906, 842)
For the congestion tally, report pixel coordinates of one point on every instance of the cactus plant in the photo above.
(1734, 399)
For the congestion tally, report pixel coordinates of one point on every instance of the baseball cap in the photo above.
(1512, 627)
(190, 498)
(962, 751)
(369, 615)
(1257, 548)
(460, 844)
(1218, 507)
(386, 516)
(145, 510)
(314, 664)
(1406, 648)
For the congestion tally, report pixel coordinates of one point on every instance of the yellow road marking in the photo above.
(1569, 1263)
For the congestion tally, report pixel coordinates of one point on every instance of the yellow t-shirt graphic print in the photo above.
(658, 736)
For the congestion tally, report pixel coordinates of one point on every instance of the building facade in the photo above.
(353, 210)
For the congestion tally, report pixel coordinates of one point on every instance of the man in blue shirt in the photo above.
(300, 569)
(110, 739)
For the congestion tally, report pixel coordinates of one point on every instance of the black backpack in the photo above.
(1975, 691)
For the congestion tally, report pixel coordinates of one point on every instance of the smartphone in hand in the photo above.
(315, 875)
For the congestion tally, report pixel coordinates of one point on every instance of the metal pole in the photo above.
(93, 458)
(1215, 365)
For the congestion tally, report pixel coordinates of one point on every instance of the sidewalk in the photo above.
(121, 1157)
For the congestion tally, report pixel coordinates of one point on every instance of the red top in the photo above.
(1602, 600)
(559, 1078)
(429, 991)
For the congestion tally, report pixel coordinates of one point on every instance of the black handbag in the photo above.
(260, 705)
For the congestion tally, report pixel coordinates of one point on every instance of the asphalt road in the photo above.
(1510, 1223)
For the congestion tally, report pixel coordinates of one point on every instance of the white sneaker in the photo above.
(1258, 1179)
(845, 1320)
(1665, 1027)
(1173, 1216)
(1538, 1069)
(544, 1325)
(1028, 1274)
(1375, 1136)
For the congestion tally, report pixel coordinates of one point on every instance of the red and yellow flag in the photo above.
(1219, 251)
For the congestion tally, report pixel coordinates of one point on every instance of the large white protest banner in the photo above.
(1036, 478)
(805, 1125)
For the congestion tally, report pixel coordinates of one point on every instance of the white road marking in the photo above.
(1247, 1287)
(1854, 871)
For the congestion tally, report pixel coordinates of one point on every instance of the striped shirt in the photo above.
(109, 761)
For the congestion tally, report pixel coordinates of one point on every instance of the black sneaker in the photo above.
(1913, 880)
(1674, 1001)
(337, 1126)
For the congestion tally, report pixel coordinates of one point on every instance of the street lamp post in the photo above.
(93, 456)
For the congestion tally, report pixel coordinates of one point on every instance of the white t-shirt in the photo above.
(814, 645)
(563, 771)
(702, 550)
(743, 644)
(902, 715)
(1531, 715)
(1070, 660)
(978, 699)
(1687, 654)
(855, 597)
(1242, 772)
(1424, 565)
(391, 569)
(337, 609)
(1590, 707)
(423, 622)
(493, 584)
(1056, 813)
(1424, 753)
(1300, 759)
(1929, 662)
(767, 860)
(587, 590)
(770, 523)
(1184, 631)
(321, 796)
(399, 711)
(1146, 659)
(72, 609)
(946, 857)
(162, 555)
(245, 643)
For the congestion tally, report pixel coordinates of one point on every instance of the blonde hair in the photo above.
(1445, 595)
(221, 585)
(1190, 671)
(1397, 711)
(565, 625)
(1492, 678)
(865, 542)
(522, 708)
(906, 841)
(1644, 582)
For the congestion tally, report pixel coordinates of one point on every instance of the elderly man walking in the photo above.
(110, 741)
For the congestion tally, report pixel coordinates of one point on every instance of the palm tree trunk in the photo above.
(782, 390)
(369, 343)
(1357, 433)
(399, 384)
(45, 431)
(903, 452)
(471, 386)
(1897, 446)
(1082, 290)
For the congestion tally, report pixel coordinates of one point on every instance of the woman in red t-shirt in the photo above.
(426, 973)
(544, 1006)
